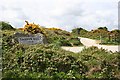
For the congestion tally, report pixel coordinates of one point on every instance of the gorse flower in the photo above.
(33, 28)
(54, 28)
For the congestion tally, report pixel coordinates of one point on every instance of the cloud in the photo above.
(65, 14)
(14, 15)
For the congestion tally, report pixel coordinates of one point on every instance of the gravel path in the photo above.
(73, 49)
(90, 42)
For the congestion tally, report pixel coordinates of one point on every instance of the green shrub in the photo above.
(50, 61)
(6, 26)
(39, 59)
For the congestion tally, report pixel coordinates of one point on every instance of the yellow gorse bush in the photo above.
(54, 28)
(34, 28)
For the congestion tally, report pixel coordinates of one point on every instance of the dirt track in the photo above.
(89, 42)
(73, 49)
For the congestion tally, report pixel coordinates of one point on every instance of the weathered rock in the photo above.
(23, 38)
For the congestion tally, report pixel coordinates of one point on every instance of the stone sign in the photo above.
(30, 38)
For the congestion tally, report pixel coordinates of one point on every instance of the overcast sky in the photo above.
(64, 14)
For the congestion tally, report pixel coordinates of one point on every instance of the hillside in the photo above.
(49, 61)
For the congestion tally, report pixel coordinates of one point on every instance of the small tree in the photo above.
(79, 31)
(115, 35)
(103, 28)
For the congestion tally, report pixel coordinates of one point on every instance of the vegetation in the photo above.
(33, 28)
(54, 36)
(5, 26)
(49, 61)
(102, 34)
(79, 31)
(62, 38)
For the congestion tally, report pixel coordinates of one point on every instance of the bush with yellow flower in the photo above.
(53, 29)
(33, 28)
